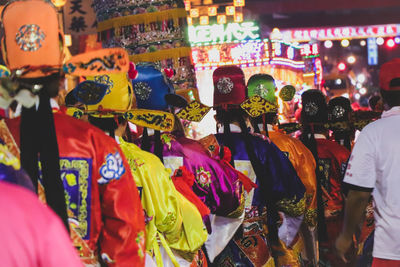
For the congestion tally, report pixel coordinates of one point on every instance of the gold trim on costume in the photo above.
(255, 106)
(293, 207)
(154, 119)
(195, 111)
(173, 53)
(310, 217)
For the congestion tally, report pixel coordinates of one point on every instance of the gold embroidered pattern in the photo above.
(195, 111)
(310, 217)
(292, 207)
(68, 167)
(239, 211)
(256, 106)
(7, 158)
(340, 125)
(154, 119)
(359, 125)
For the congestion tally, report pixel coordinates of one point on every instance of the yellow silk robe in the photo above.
(170, 217)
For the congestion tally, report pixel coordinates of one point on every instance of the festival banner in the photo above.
(79, 17)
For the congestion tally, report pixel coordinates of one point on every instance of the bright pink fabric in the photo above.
(30, 233)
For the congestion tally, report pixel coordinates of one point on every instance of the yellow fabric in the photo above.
(304, 163)
(144, 18)
(169, 215)
(173, 53)
(119, 94)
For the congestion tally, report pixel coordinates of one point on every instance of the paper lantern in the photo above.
(230, 10)
(59, 3)
(194, 12)
(221, 19)
(204, 20)
(238, 2)
(212, 11)
(238, 17)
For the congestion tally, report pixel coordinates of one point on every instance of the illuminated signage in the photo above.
(318, 70)
(309, 50)
(372, 51)
(247, 53)
(223, 33)
(220, 54)
(338, 33)
(281, 49)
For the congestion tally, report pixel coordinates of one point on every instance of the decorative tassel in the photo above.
(132, 73)
(169, 72)
(183, 180)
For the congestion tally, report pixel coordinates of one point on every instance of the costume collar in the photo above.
(391, 112)
(150, 132)
(234, 129)
(53, 104)
(117, 138)
(269, 126)
(319, 136)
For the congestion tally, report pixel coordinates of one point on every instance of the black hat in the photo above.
(339, 109)
(315, 109)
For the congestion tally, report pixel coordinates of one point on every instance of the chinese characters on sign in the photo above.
(228, 53)
(246, 52)
(337, 33)
(79, 17)
(372, 51)
(309, 50)
(223, 33)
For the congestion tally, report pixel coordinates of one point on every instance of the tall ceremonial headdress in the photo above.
(314, 115)
(339, 109)
(33, 49)
(109, 98)
(263, 85)
(233, 104)
(32, 46)
(154, 92)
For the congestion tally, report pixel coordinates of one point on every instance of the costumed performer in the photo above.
(217, 184)
(298, 154)
(83, 175)
(331, 161)
(256, 243)
(172, 221)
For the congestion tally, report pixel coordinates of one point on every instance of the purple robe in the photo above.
(216, 185)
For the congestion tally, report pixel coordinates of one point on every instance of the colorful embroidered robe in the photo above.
(304, 163)
(215, 184)
(250, 246)
(332, 159)
(105, 214)
(170, 218)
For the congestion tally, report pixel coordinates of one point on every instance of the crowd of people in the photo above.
(78, 188)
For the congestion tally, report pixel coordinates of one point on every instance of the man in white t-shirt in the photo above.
(374, 168)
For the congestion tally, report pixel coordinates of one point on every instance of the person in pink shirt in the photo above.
(31, 234)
